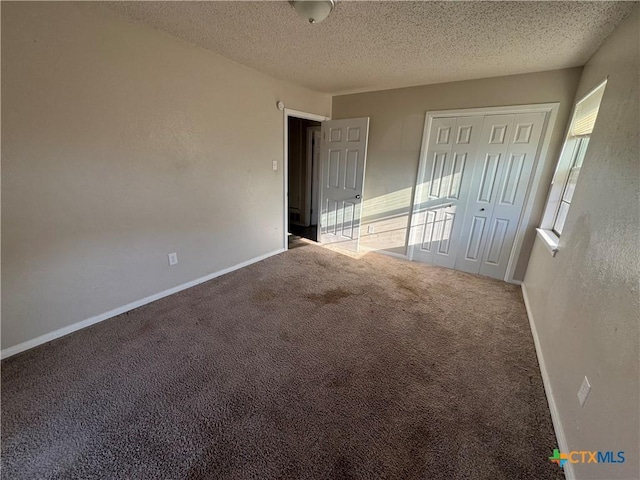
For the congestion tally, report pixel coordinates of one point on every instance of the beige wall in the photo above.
(585, 302)
(397, 122)
(121, 144)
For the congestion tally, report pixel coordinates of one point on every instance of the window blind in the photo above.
(586, 113)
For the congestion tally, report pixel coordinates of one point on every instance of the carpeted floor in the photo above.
(308, 365)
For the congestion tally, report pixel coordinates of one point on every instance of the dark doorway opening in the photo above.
(303, 185)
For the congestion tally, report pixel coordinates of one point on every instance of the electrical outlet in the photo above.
(583, 393)
(371, 229)
(275, 165)
(173, 258)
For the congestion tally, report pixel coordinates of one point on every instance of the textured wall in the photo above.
(121, 144)
(585, 301)
(397, 121)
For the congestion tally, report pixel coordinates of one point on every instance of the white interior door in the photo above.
(344, 155)
(441, 194)
(506, 156)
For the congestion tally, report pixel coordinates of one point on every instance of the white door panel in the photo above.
(344, 155)
(428, 201)
(471, 189)
(512, 184)
(441, 195)
(492, 149)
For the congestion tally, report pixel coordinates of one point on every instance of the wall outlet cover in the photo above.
(583, 393)
(173, 258)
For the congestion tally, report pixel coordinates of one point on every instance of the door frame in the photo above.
(551, 111)
(288, 112)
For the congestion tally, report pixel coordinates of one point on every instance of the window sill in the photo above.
(549, 239)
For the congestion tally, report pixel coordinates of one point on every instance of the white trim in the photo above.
(364, 173)
(590, 92)
(47, 337)
(307, 116)
(551, 110)
(505, 110)
(549, 239)
(563, 445)
(285, 165)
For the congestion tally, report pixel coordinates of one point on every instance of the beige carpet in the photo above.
(308, 365)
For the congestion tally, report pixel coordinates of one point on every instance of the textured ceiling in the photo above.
(376, 45)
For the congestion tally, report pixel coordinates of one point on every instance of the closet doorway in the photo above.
(477, 168)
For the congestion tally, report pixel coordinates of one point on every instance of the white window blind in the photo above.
(586, 113)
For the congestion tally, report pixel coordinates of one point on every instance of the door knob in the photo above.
(358, 196)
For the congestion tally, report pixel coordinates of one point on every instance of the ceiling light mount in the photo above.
(314, 11)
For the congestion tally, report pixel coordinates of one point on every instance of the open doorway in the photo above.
(324, 165)
(303, 142)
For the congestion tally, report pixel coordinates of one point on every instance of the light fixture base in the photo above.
(314, 11)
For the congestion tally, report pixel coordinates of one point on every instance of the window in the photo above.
(569, 164)
(578, 147)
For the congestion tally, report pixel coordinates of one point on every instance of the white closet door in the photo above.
(513, 183)
(441, 194)
(492, 150)
(505, 160)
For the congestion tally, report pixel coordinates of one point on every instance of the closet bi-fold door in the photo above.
(502, 168)
(443, 186)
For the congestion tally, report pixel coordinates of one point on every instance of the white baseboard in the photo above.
(563, 445)
(21, 347)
